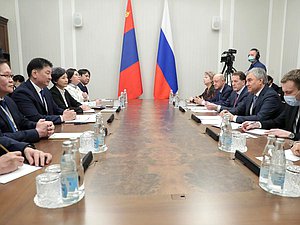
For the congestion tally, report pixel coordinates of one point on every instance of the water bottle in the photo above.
(171, 97)
(69, 175)
(225, 137)
(96, 137)
(277, 168)
(79, 167)
(176, 100)
(125, 96)
(121, 99)
(265, 163)
(102, 139)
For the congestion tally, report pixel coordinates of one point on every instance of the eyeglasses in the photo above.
(7, 76)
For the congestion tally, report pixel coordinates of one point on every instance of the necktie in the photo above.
(253, 104)
(11, 124)
(42, 92)
(297, 123)
(219, 96)
(236, 99)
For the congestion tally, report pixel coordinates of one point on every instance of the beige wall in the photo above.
(43, 28)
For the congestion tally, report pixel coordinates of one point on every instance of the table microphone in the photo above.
(111, 118)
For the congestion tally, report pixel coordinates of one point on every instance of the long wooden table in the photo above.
(160, 168)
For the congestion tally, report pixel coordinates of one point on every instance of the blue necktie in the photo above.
(43, 97)
(4, 105)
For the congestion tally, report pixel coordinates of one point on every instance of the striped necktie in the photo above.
(9, 119)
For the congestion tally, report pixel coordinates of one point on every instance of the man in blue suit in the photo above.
(236, 97)
(12, 123)
(33, 97)
(223, 90)
(19, 151)
(263, 103)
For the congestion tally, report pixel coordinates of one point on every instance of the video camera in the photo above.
(228, 56)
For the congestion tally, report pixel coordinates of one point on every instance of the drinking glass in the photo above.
(48, 190)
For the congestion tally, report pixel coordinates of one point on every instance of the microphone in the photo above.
(195, 118)
(118, 109)
(212, 134)
(182, 109)
(86, 160)
(111, 118)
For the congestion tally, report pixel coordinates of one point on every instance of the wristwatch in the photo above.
(291, 135)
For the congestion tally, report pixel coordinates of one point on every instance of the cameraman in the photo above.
(253, 58)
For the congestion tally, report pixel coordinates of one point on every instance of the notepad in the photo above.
(83, 119)
(64, 135)
(89, 111)
(109, 110)
(257, 131)
(20, 172)
(288, 155)
(211, 120)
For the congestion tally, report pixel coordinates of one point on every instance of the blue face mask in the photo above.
(291, 100)
(251, 58)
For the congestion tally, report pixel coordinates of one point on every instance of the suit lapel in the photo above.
(36, 96)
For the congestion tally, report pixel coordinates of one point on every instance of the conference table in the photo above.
(160, 168)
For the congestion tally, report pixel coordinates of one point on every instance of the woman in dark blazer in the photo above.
(60, 95)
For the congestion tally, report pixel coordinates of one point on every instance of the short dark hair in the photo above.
(57, 72)
(270, 78)
(2, 61)
(241, 75)
(83, 71)
(70, 72)
(19, 78)
(293, 75)
(37, 64)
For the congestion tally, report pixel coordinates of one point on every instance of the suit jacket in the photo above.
(58, 99)
(83, 87)
(221, 97)
(267, 106)
(11, 144)
(229, 103)
(26, 128)
(31, 106)
(285, 120)
(275, 87)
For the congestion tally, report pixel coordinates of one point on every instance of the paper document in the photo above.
(288, 155)
(22, 171)
(89, 111)
(257, 131)
(84, 119)
(212, 120)
(203, 110)
(234, 125)
(109, 110)
(192, 108)
(64, 135)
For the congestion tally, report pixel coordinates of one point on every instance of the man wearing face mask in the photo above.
(253, 58)
(287, 124)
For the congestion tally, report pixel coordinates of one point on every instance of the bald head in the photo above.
(219, 81)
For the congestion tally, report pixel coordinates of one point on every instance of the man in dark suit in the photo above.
(262, 103)
(287, 123)
(223, 90)
(12, 123)
(236, 97)
(33, 97)
(85, 77)
(18, 152)
(273, 85)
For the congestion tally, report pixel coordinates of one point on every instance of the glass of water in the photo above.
(292, 181)
(48, 190)
(87, 142)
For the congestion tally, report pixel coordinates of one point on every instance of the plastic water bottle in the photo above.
(96, 137)
(69, 175)
(225, 137)
(122, 100)
(265, 163)
(79, 167)
(176, 100)
(125, 96)
(171, 97)
(277, 168)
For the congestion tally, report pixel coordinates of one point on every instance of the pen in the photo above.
(5, 149)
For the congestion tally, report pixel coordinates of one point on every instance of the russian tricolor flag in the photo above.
(130, 74)
(165, 74)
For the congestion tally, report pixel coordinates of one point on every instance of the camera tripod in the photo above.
(229, 70)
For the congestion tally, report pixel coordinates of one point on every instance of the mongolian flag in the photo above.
(130, 74)
(165, 74)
